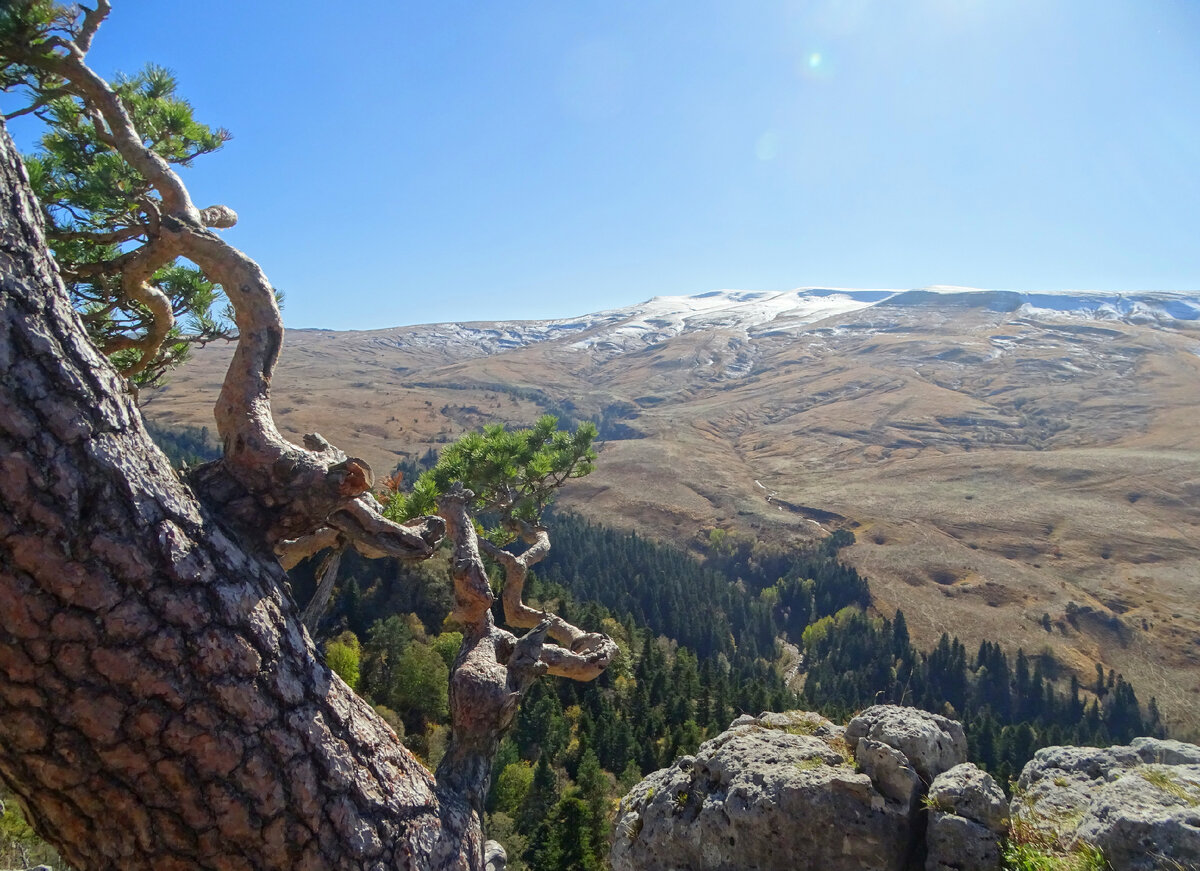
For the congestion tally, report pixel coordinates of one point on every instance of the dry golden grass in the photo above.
(994, 468)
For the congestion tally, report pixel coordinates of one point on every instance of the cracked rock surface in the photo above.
(779, 791)
(1140, 803)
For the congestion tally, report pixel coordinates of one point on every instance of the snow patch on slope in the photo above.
(749, 314)
(1135, 308)
(1132, 306)
(742, 311)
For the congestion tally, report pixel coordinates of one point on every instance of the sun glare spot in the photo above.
(815, 65)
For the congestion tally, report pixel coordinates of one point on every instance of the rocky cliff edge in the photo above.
(892, 791)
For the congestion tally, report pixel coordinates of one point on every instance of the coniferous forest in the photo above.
(745, 628)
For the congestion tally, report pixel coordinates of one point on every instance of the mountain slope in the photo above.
(1000, 456)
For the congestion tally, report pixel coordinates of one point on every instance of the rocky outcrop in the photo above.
(495, 858)
(893, 792)
(932, 744)
(1139, 804)
(968, 819)
(795, 791)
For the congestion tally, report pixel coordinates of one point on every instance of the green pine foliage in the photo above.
(514, 474)
(512, 787)
(98, 209)
(344, 655)
(1009, 711)
(670, 592)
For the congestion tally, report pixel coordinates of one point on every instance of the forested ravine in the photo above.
(699, 640)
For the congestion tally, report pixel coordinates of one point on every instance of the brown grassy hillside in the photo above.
(994, 466)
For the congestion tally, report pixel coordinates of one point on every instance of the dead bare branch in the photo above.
(292, 552)
(92, 19)
(326, 577)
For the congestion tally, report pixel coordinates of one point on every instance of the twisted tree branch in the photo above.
(92, 19)
(584, 655)
(493, 669)
(299, 489)
(113, 237)
(326, 578)
(39, 103)
(135, 283)
(187, 722)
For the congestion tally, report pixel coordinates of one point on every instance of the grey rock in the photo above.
(1144, 816)
(761, 798)
(772, 720)
(931, 743)
(954, 843)
(1079, 763)
(1148, 819)
(889, 771)
(1165, 752)
(495, 858)
(777, 793)
(968, 792)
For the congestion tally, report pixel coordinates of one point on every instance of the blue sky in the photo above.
(412, 162)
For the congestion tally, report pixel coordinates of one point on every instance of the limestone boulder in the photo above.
(1166, 752)
(931, 743)
(970, 792)
(1139, 804)
(954, 843)
(495, 858)
(889, 770)
(764, 797)
(800, 722)
(968, 818)
(794, 792)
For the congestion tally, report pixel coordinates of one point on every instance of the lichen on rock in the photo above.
(788, 790)
(1138, 804)
(893, 792)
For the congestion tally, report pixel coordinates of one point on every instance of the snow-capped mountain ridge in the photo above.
(749, 313)
(1138, 305)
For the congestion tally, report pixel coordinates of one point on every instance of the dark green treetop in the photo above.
(102, 215)
(514, 473)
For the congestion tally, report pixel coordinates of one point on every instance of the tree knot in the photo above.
(356, 477)
(221, 217)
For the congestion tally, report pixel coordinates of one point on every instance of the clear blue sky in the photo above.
(422, 161)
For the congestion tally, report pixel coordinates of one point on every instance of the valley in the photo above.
(1016, 467)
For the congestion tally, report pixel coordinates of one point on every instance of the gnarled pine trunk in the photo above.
(160, 702)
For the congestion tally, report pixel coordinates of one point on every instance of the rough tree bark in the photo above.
(160, 702)
(279, 493)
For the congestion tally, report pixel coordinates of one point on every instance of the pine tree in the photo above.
(593, 791)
